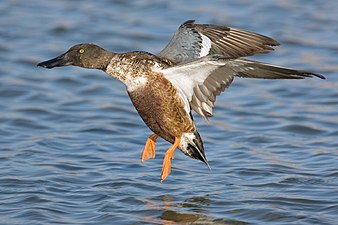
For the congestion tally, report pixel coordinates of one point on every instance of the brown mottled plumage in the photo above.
(199, 62)
(160, 103)
(157, 100)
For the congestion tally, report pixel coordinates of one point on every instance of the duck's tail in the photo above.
(192, 146)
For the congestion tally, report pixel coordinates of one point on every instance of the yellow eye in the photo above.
(81, 50)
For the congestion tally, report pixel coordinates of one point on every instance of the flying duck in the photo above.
(199, 62)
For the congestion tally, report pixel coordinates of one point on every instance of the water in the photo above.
(71, 140)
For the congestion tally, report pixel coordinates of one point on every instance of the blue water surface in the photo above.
(71, 140)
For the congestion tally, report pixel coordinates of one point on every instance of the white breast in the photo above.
(133, 83)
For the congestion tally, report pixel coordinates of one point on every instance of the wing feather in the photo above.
(192, 41)
(200, 81)
(253, 69)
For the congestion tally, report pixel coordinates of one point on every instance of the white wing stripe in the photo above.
(206, 45)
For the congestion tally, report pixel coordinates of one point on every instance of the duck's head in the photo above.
(82, 55)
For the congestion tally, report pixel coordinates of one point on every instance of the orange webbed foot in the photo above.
(166, 168)
(149, 150)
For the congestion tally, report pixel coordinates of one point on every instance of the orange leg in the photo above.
(167, 159)
(149, 149)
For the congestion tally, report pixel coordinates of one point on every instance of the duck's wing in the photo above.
(192, 41)
(199, 82)
(253, 69)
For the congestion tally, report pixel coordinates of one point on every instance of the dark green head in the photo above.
(82, 55)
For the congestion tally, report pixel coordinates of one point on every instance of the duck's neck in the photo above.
(103, 60)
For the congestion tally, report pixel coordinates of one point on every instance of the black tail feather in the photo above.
(195, 149)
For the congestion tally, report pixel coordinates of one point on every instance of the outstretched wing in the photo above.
(200, 81)
(192, 41)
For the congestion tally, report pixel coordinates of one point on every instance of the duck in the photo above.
(198, 64)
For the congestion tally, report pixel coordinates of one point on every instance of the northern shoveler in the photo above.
(199, 62)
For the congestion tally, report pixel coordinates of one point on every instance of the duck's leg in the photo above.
(149, 150)
(166, 168)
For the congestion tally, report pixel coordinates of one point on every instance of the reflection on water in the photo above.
(169, 215)
(71, 139)
(188, 212)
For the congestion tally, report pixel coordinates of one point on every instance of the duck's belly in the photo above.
(162, 110)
